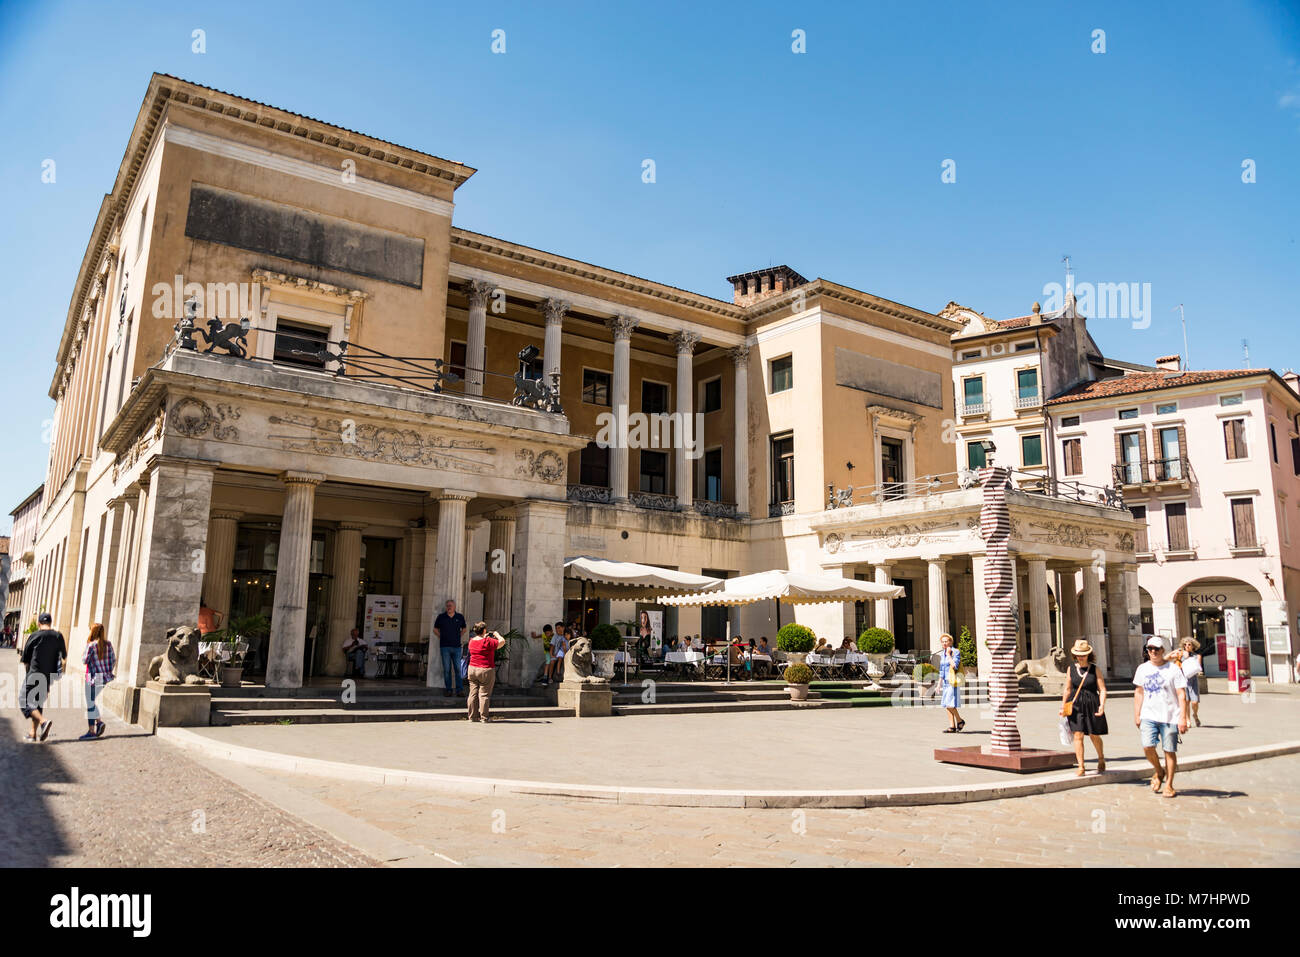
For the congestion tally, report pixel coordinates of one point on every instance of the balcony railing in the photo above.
(1028, 400)
(777, 509)
(1033, 482)
(1154, 472)
(655, 500)
(595, 494)
(712, 509)
(974, 408)
(344, 359)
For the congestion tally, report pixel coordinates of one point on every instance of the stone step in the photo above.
(364, 703)
(702, 697)
(226, 717)
(730, 707)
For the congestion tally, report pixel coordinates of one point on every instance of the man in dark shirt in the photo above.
(449, 626)
(43, 655)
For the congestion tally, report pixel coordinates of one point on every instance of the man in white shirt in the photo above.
(1160, 711)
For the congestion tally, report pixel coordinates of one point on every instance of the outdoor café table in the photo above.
(688, 662)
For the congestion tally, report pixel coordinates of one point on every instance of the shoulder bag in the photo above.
(1069, 707)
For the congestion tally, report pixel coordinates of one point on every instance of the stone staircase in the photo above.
(316, 705)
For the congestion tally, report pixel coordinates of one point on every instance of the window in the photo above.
(1176, 526)
(533, 369)
(125, 359)
(972, 355)
(1272, 440)
(1286, 519)
(654, 397)
(139, 236)
(1130, 444)
(1243, 523)
(595, 387)
(713, 395)
(1069, 421)
(1295, 447)
(1031, 450)
(1166, 408)
(1170, 465)
(782, 468)
(1140, 543)
(713, 475)
(1027, 384)
(1128, 413)
(300, 344)
(782, 373)
(1072, 453)
(593, 466)
(975, 457)
(654, 471)
(1024, 347)
(456, 359)
(1230, 399)
(892, 473)
(1234, 438)
(973, 391)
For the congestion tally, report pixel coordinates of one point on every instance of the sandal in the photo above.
(1101, 765)
(1169, 793)
(1080, 773)
(1157, 780)
(949, 730)
(960, 725)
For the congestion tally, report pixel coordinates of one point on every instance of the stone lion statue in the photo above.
(578, 664)
(1054, 661)
(179, 663)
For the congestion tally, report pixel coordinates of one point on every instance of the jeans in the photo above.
(359, 661)
(93, 687)
(451, 666)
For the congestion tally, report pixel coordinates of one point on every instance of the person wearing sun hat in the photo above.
(1160, 711)
(1085, 693)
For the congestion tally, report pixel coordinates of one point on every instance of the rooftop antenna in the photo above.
(1187, 356)
(1245, 353)
(1069, 276)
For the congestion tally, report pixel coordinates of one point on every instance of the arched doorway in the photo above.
(1200, 609)
(1146, 603)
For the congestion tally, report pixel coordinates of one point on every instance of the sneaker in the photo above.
(100, 728)
(88, 736)
(45, 729)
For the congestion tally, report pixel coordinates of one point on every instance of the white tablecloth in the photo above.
(683, 657)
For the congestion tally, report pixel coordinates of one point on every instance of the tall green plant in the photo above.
(796, 638)
(605, 637)
(966, 645)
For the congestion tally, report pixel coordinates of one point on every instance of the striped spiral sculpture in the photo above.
(1000, 629)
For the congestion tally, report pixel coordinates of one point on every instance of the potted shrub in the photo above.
(797, 675)
(251, 629)
(605, 641)
(876, 644)
(796, 641)
(969, 657)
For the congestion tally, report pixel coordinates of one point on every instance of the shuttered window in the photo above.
(1140, 543)
(1073, 454)
(1234, 438)
(1243, 523)
(1176, 526)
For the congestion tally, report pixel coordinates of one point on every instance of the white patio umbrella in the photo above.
(631, 580)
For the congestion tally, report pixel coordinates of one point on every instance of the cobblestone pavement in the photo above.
(129, 800)
(1241, 815)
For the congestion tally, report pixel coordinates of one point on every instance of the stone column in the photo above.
(622, 327)
(449, 575)
(1120, 649)
(1134, 595)
(537, 588)
(501, 549)
(1040, 616)
(554, 310)
(346, 572)
(134, 500)
(107, 612)
(476, 338)
(983, 655)
(284, 659)
(685, 437)
(223, 527)
(884, 606)
(1093, 624)
(168, 581)
(740, 356)
(1067, 603)
(937, 592)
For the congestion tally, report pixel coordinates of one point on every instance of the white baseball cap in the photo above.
(1154, 642)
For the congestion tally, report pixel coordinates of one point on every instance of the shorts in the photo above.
(36, 688)
(1193, 689)
(1166, 734)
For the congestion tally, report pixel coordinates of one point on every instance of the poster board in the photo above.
(383, 621)
(656, 629)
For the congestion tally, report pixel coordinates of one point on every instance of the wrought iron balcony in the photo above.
(655, 500)
(1034, 482)
(1175, 470)
(777, 509)
(595, 494)
(713, 509)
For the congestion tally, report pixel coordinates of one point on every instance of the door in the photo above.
(891, 468)
(1132, 452)
(1171, 465)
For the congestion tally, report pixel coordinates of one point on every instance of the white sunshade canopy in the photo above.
(792, 588)
(632, 579)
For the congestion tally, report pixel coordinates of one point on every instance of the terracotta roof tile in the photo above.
(1148, 382)
(1015, 322)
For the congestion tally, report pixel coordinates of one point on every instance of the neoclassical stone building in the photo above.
(421, 411)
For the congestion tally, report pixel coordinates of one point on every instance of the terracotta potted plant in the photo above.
(797, 676)
(605, 642)
(795, 641)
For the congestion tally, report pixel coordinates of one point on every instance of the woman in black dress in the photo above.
(1086, 692)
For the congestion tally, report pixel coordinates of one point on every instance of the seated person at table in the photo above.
(354, 650)
(736, 653)
(671, 645)
(822, 646)
(697, 644)
(763, 648)
(846, 644)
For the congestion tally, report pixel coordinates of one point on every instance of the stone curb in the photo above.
(687, 797)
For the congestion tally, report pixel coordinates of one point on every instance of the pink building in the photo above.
(1211, 460)
(21, 602)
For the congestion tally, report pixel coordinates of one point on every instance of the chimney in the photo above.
(751, 287)
(1292, 379)
(1169, 363)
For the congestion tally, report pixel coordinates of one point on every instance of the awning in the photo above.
(631, 580)
(791, 588)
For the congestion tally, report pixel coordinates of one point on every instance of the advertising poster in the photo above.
(383, 621)
(654, 621)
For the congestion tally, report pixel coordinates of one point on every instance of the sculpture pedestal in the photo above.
(174, 706)
(1024, 761)
(587, 701)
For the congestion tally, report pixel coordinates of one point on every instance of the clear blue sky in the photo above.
(830, 161)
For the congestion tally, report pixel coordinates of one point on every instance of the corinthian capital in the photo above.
(685, 342)
(739, 355)
(622, 326)
(553, 309)
(478, 292)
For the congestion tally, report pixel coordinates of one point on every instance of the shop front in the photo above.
(1206, 601)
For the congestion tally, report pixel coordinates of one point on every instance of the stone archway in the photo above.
(1199, 607)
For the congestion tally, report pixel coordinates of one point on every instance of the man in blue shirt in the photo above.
(449, 626)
